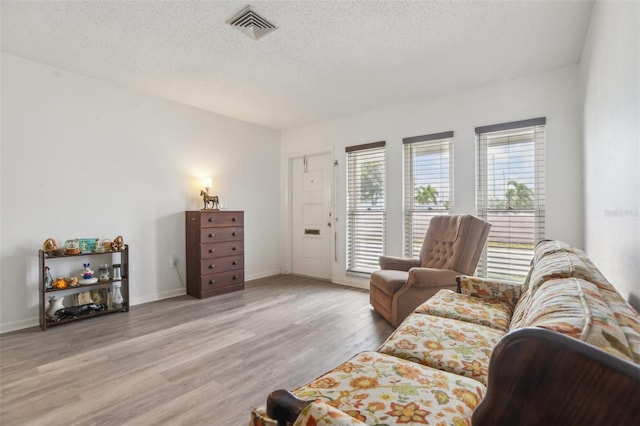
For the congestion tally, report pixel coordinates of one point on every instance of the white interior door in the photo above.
(312, 232)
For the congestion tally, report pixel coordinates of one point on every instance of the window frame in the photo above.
(416, 217)
(362, 257)
(518, 218)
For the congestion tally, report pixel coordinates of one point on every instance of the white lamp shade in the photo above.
(207, 182)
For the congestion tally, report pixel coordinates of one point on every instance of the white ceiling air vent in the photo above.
(252, 24)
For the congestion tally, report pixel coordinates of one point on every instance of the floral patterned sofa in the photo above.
(561, 348)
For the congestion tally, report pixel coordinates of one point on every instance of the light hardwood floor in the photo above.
(185, 361)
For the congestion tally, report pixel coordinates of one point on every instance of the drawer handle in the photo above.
(235, 219)
(212, 266)
(211, 250)
(234, 234)
(212, 282)
(235, 277)
(211, 219)
(235, 262)
(212, 235)
(233, 248)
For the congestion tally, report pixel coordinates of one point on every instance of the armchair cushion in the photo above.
(487, 312)
(388, 281)
(454, 242)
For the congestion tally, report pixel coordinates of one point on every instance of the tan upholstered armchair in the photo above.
(452, 247)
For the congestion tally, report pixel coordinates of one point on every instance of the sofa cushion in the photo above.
(482, 288)
(574, 307)
(545, 247)
(565, 264)
(319, 413)
(520, 311)
(449, 304)
(447, 344)
(379, 389)
(627, 318)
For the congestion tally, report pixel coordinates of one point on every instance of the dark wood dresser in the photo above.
(215, 252)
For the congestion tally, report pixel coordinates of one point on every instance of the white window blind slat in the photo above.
(366, 168)
(511, 195)
(428, 185)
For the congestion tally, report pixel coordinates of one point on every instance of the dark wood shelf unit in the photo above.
(115, 257)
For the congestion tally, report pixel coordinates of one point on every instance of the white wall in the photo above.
(84, 158)
(554, 95)
(610, 76)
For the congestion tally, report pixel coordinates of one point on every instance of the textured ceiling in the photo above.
(327, 59)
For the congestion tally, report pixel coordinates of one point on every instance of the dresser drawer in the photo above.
(213, 235)
(208, 220)
(222, 279)
(230, 248)
(221, 264)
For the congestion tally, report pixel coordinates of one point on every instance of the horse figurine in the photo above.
(209, 200)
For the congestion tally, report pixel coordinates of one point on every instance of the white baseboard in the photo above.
(262, 275)
(6, 327)
(159, 296)
(351, 282)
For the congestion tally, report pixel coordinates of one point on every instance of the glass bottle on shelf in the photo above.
(104, 274)
(116, 271)
(117, 298)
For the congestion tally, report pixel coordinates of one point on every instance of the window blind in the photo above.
(428, 185)
(366, 169)
(511, 195)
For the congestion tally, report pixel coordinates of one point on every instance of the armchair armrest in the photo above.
(431, 277)
(490, 289)
(422, 283)
(398, 263)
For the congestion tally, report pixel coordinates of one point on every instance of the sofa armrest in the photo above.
(284, 407)
(490, 289)
(318, 413)
(540, 377)
(397, 263)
